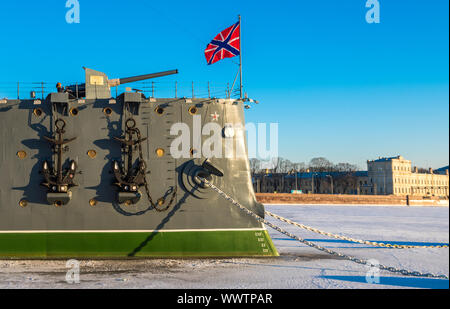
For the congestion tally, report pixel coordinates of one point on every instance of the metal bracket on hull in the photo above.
(192, 178)
(132, 101)
(60, 181)
(61, 103)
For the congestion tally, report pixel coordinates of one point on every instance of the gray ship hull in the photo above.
(95, 222)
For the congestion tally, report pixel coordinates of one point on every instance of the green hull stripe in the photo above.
(139, 244)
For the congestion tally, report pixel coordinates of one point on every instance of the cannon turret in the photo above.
(97, 85)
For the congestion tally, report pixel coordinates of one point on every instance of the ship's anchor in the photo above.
(131, 179)
(60, 181)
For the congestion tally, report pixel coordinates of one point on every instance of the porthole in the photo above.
(159, 110)
(160, 152)
(92, 154)
(193, 110)
(107, 111)
(73, 111)
(37, 112)
(23, 203)
(93, 202)
(21, 154)
(228, 131)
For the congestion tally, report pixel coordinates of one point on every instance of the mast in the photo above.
(240, 56)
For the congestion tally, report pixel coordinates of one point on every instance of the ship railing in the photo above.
(23, 90)
(151, 89)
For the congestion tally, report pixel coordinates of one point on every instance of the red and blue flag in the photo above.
(226, 44)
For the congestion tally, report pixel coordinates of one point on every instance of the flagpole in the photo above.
(240, 54)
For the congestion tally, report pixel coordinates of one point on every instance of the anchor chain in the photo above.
(391, 269)
(161, 201)
(365, 242)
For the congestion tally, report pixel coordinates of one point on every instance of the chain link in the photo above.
(147, 189)
(365, 242)
(161, 200)
(323, 249)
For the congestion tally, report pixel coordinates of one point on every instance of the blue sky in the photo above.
(338, 87)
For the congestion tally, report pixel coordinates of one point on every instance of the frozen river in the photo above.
(297, 267)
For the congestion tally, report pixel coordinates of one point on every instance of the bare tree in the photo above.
(299, 167)
(423, 170)
(345, 167)
(275, 162)
(285, 166)
(320, 164)
(255, 165)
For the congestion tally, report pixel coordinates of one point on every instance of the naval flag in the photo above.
(226, 44)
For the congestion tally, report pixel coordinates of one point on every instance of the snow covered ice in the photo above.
(297, 267)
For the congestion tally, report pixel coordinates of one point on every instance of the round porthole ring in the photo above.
(21, 154)
(160, 152)
(107, 111)
(92, 153)
(73, 111)
(159, 110)
(38, 112)
(193, 110)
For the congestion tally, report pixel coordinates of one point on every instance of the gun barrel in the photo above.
(147, 76)
(80, 90)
